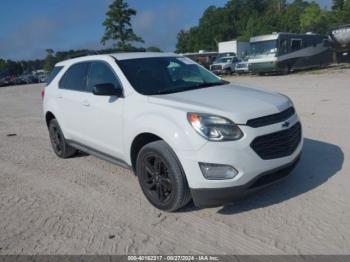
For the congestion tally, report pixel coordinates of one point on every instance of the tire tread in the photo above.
(184, 197)
(67, 151)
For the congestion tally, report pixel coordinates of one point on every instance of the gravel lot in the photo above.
(87, 206)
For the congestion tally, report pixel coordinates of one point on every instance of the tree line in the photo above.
(242, 19)
(18, 67)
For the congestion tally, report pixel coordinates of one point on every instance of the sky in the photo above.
(29, 27)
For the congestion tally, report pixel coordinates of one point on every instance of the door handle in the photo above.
(86, 103)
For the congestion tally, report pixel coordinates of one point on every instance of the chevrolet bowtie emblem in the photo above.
(286, 124)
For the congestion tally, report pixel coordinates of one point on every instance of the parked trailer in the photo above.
(240, 49)
(340, 38)
(283, 52)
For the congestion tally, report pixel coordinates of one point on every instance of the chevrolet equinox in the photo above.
(186, 133)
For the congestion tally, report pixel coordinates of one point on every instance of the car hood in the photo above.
(220, 64)
(237, 102)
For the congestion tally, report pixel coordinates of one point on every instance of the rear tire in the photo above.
(59, 144)
(161, 177)
(286, 70)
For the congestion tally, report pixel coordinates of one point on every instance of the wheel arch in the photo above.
(48, 117)
(138, 143)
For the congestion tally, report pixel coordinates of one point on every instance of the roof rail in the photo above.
(83, 53)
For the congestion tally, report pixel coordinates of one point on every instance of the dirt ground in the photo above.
(87, 206)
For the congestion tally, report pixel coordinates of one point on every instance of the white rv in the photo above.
(283, 52)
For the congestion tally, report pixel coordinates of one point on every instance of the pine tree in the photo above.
(118, 25)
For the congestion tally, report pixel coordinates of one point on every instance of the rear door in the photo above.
(71, 97)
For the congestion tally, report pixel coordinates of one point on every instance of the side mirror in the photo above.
(107, 89)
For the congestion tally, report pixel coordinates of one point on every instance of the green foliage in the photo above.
(50, 60)
(314, 19)
(242, 19)
(118, 26)
(2, 64)
(338, 4)
(290, 18)
(19, 67)
(342, 11)
(153, 49)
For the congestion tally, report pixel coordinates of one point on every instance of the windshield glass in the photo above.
(224, 60)
(166, 75)
(264, 48)
(53, 74)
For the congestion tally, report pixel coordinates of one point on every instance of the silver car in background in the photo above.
(224, 65)
(242, 67)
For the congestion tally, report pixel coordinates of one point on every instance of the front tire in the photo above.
(59, 144)
(228, 71)
(161, 177)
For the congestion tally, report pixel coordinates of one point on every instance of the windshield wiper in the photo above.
(188, 88)
(206, 84)
(169, 91)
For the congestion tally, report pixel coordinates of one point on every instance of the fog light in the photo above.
(217, 172)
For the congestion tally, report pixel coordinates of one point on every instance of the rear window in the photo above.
(53, 74)
(75, 77)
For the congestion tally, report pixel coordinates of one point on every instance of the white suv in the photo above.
(186, 133)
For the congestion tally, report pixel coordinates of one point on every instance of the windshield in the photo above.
(166, 75)
(53, 74)
(225, 60)
(264, 48)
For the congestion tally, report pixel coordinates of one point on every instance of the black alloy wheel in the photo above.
(161, 177)
(156, 178)
(59, 144)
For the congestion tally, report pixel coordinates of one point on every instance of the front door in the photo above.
(103, 122)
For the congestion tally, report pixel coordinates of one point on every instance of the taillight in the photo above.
(42, 93)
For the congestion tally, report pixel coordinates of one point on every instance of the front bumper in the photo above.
(238, 154)
(211, 197)
(241, 70)
(220, 71)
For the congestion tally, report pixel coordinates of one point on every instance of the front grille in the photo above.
(279, 144)
(216, 67)
(241, 66)
(271, 119)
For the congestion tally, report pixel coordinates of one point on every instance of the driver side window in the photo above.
(283, 46)
(101, 73)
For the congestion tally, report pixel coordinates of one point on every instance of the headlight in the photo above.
(214, 128)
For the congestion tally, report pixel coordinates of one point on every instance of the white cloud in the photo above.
(159, 27)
